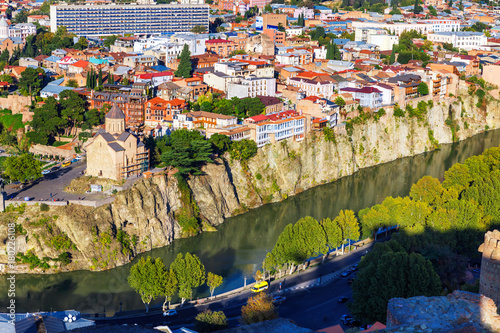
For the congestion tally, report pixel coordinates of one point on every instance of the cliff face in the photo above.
(146, 216)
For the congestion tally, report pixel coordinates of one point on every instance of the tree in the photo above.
(349, 225)
(5, 56)
(145, 279)
(432, 11)
(333, 233)
(210, 321)
(72, 83)
(392, 58)
(72, 109)
(427, 189)
(259, 308)
(110, 40)
(213, 281)
(185, 67)
(417, 8)
(268, 9)
(111, 79)
(188, 152)
(220, 142)
(386, 272)
(199, 29)
(190, 273)
(423, 89)
(46, 122)
(100, 78)
(21, 168)
(6, 78)
(339, 101)
(125, 81)
(168, 286)
(243, 150)
(30, 80)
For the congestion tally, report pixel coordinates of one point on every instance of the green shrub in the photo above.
(44, 207)
(258, 176)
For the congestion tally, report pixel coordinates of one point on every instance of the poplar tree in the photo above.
(144, 279)
(349, 225)
(185, 67)
(190, 273)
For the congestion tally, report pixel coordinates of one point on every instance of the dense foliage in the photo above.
(185, 67)
(440, 225)
(150, 278)
(23, 167)
(239, 107)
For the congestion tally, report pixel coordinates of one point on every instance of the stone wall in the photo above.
(490, 266)
(18, 104)
(48, 150)
(460, 311)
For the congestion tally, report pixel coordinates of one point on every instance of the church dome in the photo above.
(3, 22)
(115, 113)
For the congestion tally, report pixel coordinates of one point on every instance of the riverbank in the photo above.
(154, 211)
(240, 245)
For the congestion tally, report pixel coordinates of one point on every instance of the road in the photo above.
(312, 307)
(54, 183)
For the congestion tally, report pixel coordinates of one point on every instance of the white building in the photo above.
(422, 26)
(218, 80)
(294, 31)
(369, 97)
(466, 40)
(21, 30)
(251, 87)
(312, 88)
(276, 127)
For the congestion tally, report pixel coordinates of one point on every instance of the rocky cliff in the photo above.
(157, 210)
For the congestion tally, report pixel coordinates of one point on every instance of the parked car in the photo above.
(55, 168)
(258, 287)
(74, 160)
(343, 299)
(345, 273)
(79, 157)
(46, 172)
(170, 313)
(277, 300)
(65, 164)
(346, 318)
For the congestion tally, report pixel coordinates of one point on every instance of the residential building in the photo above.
(406, 87)
(369, 97)
(158, 110)
(140, 60)
(310, 87)
(251, 86)
(54, 89)
(271, 20)
(131, 104)
(118, 19)
(422, 26)
(223, 47)
(154, 79)
(115, 153)
(202, 119)
(276, 127)
(218, 80)
(234, 132)
(467, 40)
(192, 87)
(313, 107)
(272, 104)
(25, 62)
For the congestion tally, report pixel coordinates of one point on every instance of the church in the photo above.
(115, 153)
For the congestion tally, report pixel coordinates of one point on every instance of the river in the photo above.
(239, 246)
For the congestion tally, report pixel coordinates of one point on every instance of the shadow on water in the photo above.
(239, 246)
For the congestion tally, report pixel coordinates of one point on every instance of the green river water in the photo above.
(238, 247)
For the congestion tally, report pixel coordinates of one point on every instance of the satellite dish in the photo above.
(65, 318)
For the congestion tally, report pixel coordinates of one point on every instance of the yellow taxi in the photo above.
(65, 164)
(258, 287)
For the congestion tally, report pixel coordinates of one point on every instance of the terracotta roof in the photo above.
(216, 41)
(80, 63)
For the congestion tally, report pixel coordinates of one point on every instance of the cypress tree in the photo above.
(185, 67)
(392, 58)
(111, 79)
(336, 52)
(100, 78)
(329, 52)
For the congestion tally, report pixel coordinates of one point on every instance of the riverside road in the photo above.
(308, 304)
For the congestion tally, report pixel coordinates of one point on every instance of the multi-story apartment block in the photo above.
(467, 40)
(118, 19)
(251, 87)
(243, 67)
(276, 127)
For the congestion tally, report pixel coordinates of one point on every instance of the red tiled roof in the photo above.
(259, 117)
(216, 41)
(81, 63)
(368, 90)
(152, 75)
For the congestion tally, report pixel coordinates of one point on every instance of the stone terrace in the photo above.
(458, 312)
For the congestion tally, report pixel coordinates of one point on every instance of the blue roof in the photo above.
(322, 8)
(160, 68)
(53, 59)
(98, 61)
